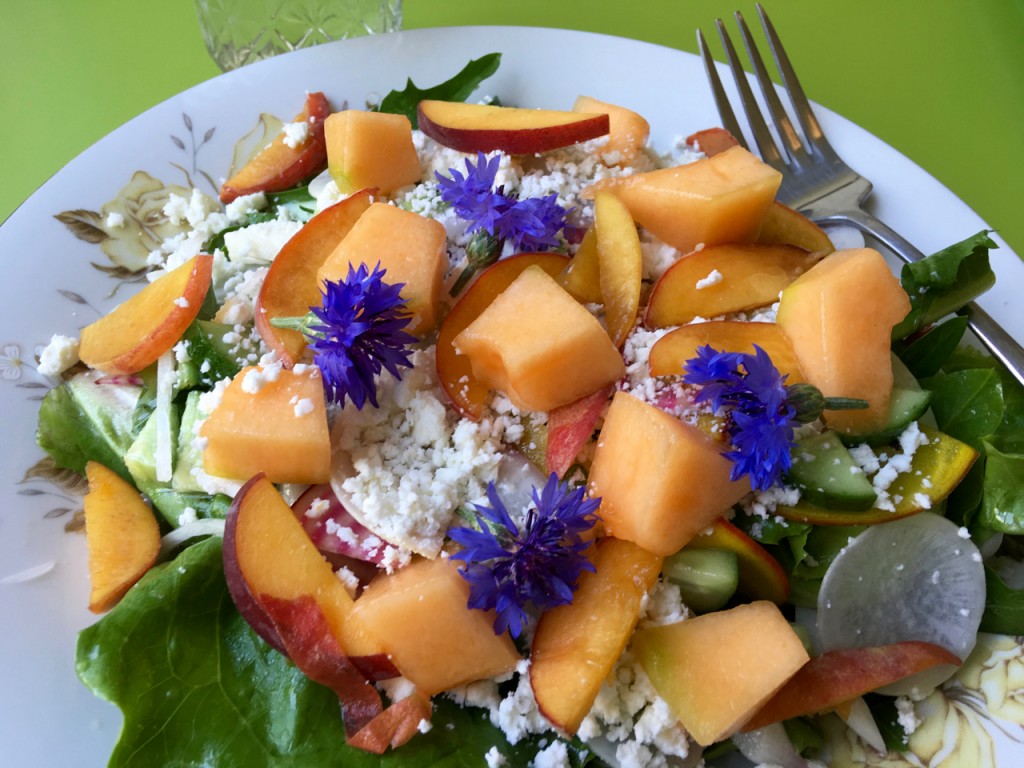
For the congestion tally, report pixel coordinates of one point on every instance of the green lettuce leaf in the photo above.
(197, 686)
(458, 88)
(945, 281)
(1004, 607)
(968, 404)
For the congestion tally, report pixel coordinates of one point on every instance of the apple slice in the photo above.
(135, 333)
(722, 279)
(576, 645)
(570, 427)
(669, 354)
(620, 270)
(268, 555)
(761, 576)
(290, 287)
(455, 372)
(279, 166)
(712, 141)
(513, 130)
(122, 533)
(837, 677)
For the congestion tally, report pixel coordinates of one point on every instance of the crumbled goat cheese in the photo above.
(259, 243)
(295, 134)
(906, 715)
(303, 407)
(495, 759)
(887, 468)
(714, 277)
(59, 355)
(555, 755)
(188, 515)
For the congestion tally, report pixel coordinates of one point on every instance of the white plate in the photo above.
(50, 285)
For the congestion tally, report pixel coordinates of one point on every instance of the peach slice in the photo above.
(627, 131)
(582, 276)
(782, 225)
(716, 200)
(513, 130)
(539, 346)
(761, 576)
(267, 555)
(569, 429)
(421, 615)
(279, 166)
(716, 670)
(455, 372)
(290, 287)
(576, 645)
(620, 270)
(122, 533)
(712, 141)
(135, 333)
(722, 279)
(837, 677)
(669, 354)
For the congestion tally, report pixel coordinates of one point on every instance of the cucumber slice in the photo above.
(706, 578)
(907, 404)
(828, 476)
(141, 456)
(210, 357)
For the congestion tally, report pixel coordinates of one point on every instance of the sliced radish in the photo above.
(918, 578)
(333, 529)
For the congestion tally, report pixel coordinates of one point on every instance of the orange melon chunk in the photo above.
(277, 426)
(716, 670)
(839, 318)
(720, 199)
(539, 346)
(409, 247)
(122, 533)
(420, 615)
(370, 149)
(661, 481)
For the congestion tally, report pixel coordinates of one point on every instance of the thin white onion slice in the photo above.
(203, 527)
(862, 722)
(769, 746)
(917, 578)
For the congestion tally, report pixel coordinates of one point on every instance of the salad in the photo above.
(492, 453)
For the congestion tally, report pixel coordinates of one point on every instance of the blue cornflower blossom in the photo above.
(752, 393)
(355, 333)
(508, 568)
(531, 224)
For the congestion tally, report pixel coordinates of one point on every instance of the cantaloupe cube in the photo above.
(409, 247)
(720, 199)
(420, 616)
(661, 481)
(627, 131)
(370, 149)
(539, 346)
(272, 421)
(838, 317)
(716, 670)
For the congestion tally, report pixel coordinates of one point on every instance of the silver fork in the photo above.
(816, 181)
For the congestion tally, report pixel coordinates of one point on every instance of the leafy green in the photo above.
(1002, 506)
(815, 551)
(296, 204)
(968, 404)
(883, 709)
(805, 735)
(458, 88)
(1004, 606)
(945, 281)
(925, 354)
(194, 681)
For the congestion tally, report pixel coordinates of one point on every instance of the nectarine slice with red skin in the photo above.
(669, 354)
(122, 533)
(837, 677)
(135, 333)
(570, 427)
(582, 275)
(455, 372)
(784, 226)
(576, 645)
(513, 130)
(760, 575)
(712, 141)
(716, 670)
(268, 554)
(394, 726)
(620, 270)
(290, 287)
(627, 131)
(278, 166)
(723, 279)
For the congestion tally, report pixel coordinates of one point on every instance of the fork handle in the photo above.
(999, 343)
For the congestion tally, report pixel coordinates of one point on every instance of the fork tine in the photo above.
(729, 121)
(791, 140)
(808, 121)
(762, 135)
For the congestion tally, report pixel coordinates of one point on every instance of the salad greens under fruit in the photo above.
(878, 549)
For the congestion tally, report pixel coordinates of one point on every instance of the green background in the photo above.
(940, 80)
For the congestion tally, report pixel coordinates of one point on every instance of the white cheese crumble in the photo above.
(295, 134)
(714, 277)
(59, 355)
